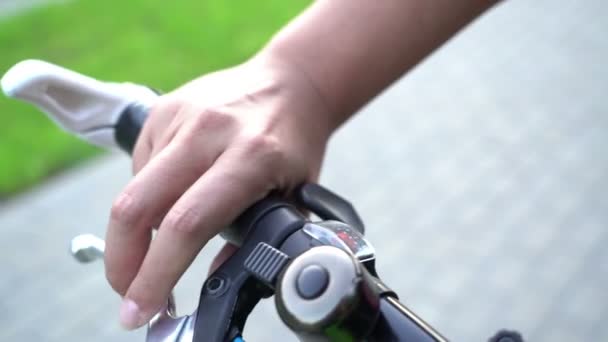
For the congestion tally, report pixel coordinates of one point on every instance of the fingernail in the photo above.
(130, 315)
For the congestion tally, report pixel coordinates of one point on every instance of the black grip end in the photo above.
(129, 125)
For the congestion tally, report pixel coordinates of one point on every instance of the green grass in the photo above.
(158, 43)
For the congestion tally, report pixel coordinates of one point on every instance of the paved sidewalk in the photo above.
(482, 178)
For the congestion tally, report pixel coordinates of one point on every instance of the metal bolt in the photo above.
(214, 285)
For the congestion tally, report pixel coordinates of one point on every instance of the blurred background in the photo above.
(482, 175)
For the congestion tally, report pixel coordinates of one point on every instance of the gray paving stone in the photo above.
(481, 177)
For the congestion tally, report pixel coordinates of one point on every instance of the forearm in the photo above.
(352, 49)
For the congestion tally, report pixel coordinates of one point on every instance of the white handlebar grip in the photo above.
(80, 104)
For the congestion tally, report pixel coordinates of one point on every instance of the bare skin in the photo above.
(216, 145)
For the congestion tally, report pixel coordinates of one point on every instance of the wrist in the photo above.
(299, 80)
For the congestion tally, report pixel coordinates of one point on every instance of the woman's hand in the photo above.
(223, 141)
(208, 151)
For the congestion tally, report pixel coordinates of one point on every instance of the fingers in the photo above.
(152, 190)
(156, 187)
(222, 193)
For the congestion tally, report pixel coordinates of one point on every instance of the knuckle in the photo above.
(266, 148)
(212, 119)
(167, 103)
(262, 144)
(165, 106)
(182, 220)
(125, 210)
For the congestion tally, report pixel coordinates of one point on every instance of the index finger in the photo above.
(216, 198)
